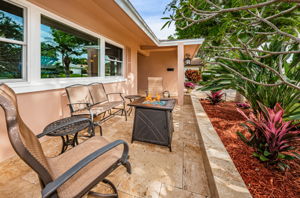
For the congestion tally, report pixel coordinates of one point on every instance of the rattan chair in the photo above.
(155, 86)
(71, 174)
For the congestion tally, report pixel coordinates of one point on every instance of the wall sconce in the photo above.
(187, 60)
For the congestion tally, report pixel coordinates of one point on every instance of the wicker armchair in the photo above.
(71, 174)
(155, 86)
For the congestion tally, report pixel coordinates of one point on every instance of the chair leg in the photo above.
(125, 112)
(115, 192)
(100, 128)
(127, 166)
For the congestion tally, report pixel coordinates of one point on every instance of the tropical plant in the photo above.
(222, 78)
(271, 136)
(189, 85)
(242, 27)
(243, 105)
(193, 75)
(215, 97)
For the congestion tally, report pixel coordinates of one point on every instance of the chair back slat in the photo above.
(98, 93)
(23, 140)
(155, 85)
(79, 94)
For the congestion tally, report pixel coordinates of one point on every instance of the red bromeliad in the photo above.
(271, 136)
(215, 97)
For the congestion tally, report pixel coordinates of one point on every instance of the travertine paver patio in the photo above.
(156, 172)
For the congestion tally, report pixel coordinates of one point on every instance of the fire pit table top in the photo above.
(163, 104)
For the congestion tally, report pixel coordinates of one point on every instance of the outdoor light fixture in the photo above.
(187, 60)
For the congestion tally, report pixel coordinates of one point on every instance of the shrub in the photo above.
(193, 75)
(288, 97)
(271, 136)
(189, 85)
(215, 97)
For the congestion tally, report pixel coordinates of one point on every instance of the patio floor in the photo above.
(156, 172)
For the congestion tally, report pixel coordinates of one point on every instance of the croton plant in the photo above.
(193, 75)
(271, 136)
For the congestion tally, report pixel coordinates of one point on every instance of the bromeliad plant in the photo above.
(215, 97)
(243, 105)
(271, 136)
(189, 85)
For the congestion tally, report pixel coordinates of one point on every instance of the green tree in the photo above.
(250, 46)
(65, 45)
(232, 28)
(10, 54)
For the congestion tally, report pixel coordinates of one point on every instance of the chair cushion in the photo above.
(88, 174)
(107, 105)
(94, 110)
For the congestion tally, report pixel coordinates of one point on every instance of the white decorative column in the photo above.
(180, 73)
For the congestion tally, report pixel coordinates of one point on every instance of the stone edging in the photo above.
(223, 178)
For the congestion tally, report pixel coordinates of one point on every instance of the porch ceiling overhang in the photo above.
(117, 20)
(158, 45)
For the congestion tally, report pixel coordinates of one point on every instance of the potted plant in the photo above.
(189, 86)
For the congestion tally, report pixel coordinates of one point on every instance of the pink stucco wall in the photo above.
(155, 65)
(38, 109)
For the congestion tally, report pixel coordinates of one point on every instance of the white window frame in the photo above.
(23, 43)
(34, 82)
(123, 55)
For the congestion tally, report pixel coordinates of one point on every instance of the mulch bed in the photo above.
(261, 181)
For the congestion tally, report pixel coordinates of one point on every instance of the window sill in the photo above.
(59, 83)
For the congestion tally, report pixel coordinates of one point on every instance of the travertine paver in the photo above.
(156, 172)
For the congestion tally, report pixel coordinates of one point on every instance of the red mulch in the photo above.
(261, 181)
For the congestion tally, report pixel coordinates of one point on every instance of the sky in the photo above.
(152, 12)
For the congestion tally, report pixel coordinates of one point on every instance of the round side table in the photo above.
(66, 128)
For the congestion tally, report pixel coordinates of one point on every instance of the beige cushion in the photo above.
(85, 176)
(98, 93)
(107, 105)
(100, 108)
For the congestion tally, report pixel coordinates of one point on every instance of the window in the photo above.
(67, 52)
(12, 42)
(113, 60)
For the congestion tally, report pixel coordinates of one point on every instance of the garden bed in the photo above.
(261, 181)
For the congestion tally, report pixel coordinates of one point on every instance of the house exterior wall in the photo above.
(155, 65)
(39, 108)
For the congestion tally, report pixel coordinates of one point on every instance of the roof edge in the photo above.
(129, 9)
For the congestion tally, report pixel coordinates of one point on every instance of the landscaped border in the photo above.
(223, 178)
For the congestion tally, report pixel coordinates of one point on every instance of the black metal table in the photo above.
(67, 127)
(132, 98)
(153, 123)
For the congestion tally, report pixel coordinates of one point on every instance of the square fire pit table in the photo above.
(153, 123)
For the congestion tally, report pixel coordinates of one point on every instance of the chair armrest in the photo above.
(115, 93)
(86, 103)
(121, 95)
(41, 135)
(52, 186)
